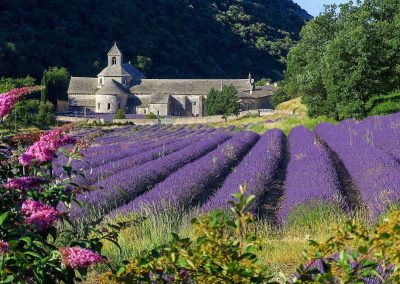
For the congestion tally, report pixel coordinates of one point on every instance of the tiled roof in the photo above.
(82, 85)
(114, 51)
(259, 92)
(186, 86)
(160, 99)
(127, 70)
(112, 87)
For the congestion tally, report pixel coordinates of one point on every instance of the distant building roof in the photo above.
(160, 99)
(259, 92)
(126, 70)
(186, 86)
(135, 73)
(82, 85)
(114, 51)
(140, 101)
(112, 87)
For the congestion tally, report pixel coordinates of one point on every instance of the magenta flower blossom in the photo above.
(76, 257)
(44, 150)
(7, 100)
(39, 215)
(24, 183)
(3, 247)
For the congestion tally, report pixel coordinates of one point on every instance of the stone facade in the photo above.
(122, 86)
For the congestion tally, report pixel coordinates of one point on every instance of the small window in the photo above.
(119, 106)
(101, 81)
(98, 106)
(195, 103)
(108, 106)
(114, 61)
(158, 112)
(144, 111)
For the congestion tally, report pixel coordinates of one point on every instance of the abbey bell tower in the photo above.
(115, 56)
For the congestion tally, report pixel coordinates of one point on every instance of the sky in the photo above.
(314, 7)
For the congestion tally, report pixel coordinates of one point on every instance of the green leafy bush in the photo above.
(151, 116)
(382, 105)
(222, 102)
(120, 114)
(31, 113)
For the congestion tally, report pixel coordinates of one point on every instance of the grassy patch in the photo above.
(280, 247)
(295, 106)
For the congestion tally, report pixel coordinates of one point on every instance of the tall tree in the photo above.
(222, 102)
(56, 81)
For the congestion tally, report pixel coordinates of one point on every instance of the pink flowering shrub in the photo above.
(7, 100)
(24, 183)
(39, 215)
(44, 150)
(38, 243)
(76, 257)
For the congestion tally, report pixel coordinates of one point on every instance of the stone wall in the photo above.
(110, 103)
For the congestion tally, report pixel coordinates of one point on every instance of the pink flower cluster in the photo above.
(77, 257)
(24, 183)
(3, 247)
(44, 150)
(39, 215)
(7, 100)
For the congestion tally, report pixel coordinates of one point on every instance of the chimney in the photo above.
(252, 84)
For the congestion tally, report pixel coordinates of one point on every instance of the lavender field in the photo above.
(355, 164)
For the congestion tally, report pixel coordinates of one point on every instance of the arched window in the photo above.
(108, 106)
(101, 81)
(114, 61)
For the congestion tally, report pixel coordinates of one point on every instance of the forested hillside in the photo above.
(165, 38)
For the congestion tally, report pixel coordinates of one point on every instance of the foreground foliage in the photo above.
(222, 251)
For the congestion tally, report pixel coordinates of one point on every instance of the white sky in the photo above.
(314, 7)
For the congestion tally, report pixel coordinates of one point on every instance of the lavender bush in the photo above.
(375, 172)
(257, 170)
(311, 175)
(189, 185)
(123, 187)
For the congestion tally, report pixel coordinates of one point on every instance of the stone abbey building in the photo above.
(122, 86)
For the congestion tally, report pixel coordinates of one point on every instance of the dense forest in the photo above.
(347, 62)
(164, 38)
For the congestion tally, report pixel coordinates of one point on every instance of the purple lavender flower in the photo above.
(189, 185)
(375, 172)
(125, 186)
(257, 170)
(311, 175)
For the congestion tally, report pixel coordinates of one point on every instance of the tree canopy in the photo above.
(56, 81)
(222, 102)
(165, 38)
(346, 56)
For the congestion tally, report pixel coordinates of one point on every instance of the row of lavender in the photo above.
(163, 167)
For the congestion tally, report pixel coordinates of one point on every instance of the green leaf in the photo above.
(3, 217)
(27, 240)
(363, 249)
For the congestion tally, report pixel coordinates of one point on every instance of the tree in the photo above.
(56, 80)
(143, 63)
(222, 102)
(345, 57)
(7, 84)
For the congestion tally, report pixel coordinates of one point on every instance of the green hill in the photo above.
(183, 38)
